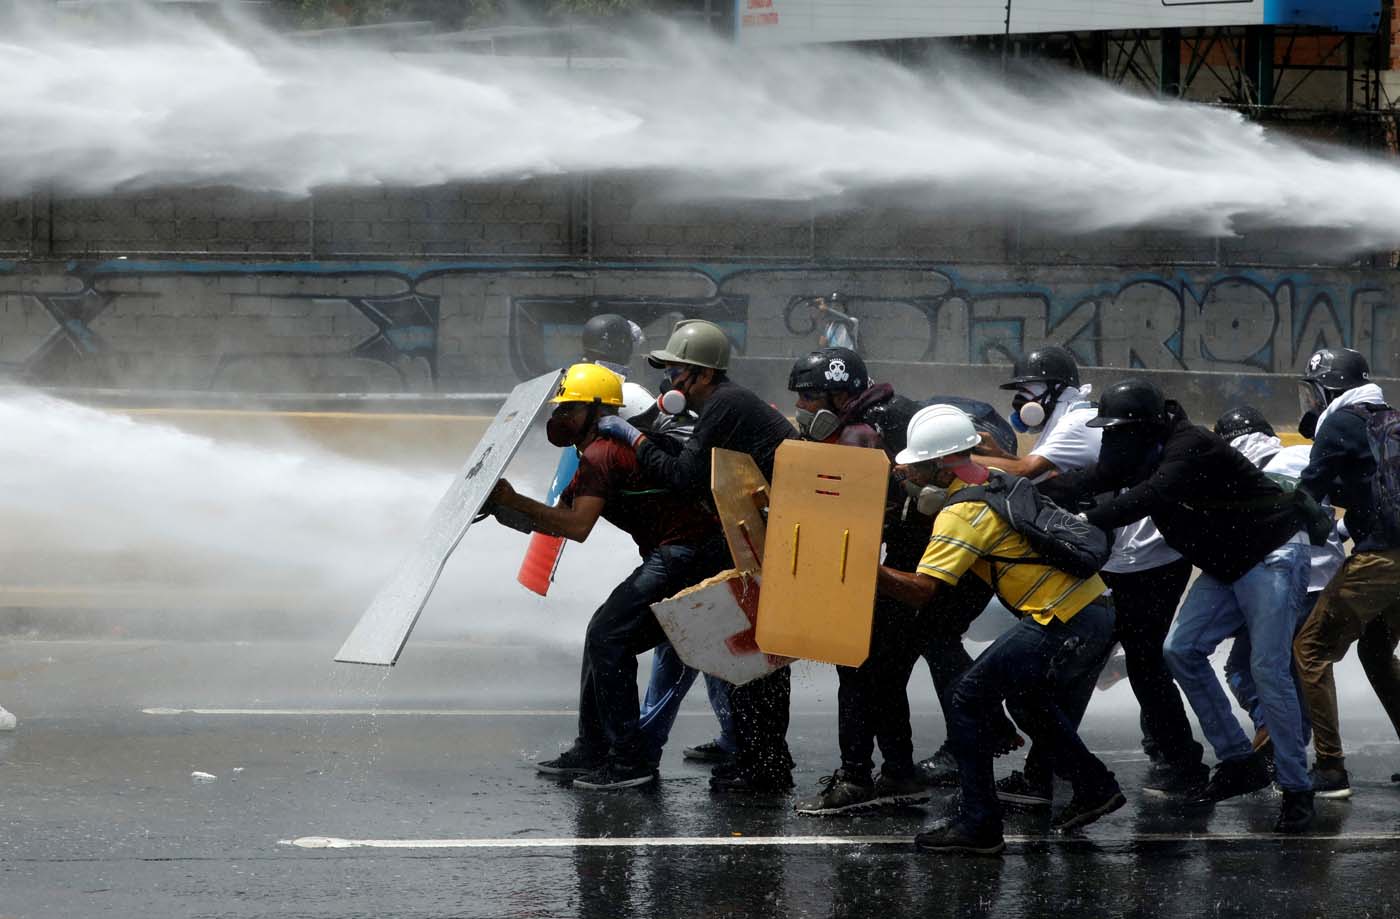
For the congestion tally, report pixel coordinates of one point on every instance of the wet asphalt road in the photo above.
(99, 815)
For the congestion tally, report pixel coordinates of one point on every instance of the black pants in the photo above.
(1030, 667)
(624, 627)
(949, 617)
(1144, 604)
(759, 710)
(873, 699)
(1071, 693)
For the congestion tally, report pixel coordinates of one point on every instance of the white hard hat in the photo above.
(636, 400)
(935, 431)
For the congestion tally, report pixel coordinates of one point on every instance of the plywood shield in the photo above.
(711, 627)
(741, 492)
(822, 552)
(379, 636)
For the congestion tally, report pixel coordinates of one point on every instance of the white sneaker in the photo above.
(7, 720)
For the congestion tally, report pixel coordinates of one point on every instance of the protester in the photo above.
(1249, 432)
(1062, 634)
(680, 543)
(1243, 531)
(609, 339)
(1354, 462)
(696, 360)
(1146, 576)
(838, 404)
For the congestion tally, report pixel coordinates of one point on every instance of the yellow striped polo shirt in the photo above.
(964, 533)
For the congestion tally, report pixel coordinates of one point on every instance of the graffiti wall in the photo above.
(419, 326)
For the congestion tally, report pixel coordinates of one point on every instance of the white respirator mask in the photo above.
(1028, 409)
(672, 402)
(927, 499)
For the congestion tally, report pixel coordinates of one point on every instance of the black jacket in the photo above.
(732, 418)
(1210, 503)
(1341, 467)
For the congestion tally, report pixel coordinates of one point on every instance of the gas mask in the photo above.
(1028, 411)
(563, 430)
(818, 425)
(672, 402)
(928, 499)
(1313, 399)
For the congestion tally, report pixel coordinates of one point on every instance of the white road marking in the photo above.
(606, 842)
(455, 712)
(647, 842)
(296, 712)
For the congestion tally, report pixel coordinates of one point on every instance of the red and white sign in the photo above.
(711, 626)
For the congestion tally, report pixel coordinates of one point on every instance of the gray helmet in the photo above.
(608, 337)
(695, 342)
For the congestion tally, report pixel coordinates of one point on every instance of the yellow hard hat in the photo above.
(589, 383)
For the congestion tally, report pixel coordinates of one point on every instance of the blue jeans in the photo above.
(1241, 681)
(1264, 603)
(1031, 667)
(671, 679)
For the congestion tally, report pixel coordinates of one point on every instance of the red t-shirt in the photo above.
(652, 515)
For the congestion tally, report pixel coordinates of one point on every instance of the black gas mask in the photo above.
(566, 428)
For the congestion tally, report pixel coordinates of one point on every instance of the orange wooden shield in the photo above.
(740, 493)
(822, 552)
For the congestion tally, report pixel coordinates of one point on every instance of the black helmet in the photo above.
(608, 337)
(829, 370)
(1052, 364)
(1241, 420)
(1337, 369)
(1134, 401)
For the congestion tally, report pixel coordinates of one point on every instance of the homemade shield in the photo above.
(711, 627)
(822, 552)
(379, 636)
(740, 492)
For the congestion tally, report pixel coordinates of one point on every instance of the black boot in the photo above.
(1238, 776)
(1296, 815)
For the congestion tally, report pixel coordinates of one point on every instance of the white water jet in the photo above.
(94, 501)
(158, 100)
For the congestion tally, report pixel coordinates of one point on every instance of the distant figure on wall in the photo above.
(835, 327)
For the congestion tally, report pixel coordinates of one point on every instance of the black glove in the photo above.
(506, 517)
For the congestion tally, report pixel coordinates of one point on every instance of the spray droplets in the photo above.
(162, 101)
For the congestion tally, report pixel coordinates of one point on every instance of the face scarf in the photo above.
(1129, 454)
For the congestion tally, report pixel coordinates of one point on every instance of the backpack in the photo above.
(1383, 431)
(1058, 538)
(891, 419)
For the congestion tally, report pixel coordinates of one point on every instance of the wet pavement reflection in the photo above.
(99, 815)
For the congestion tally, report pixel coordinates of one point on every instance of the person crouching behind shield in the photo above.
(1062, 633)
(680, 543)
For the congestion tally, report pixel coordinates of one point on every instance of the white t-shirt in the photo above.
(1326, 560)
(1069, 444)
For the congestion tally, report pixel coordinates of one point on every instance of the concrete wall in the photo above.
(475, 287)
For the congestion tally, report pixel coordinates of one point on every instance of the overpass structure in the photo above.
(1307, 58)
